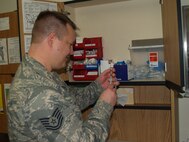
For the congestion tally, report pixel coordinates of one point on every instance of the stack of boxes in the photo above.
(87, 53)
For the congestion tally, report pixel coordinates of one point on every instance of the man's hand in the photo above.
(108, 79)
(109, 96)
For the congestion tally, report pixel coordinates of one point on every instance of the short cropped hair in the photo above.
(48, 22)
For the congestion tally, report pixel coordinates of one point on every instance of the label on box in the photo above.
(79, 76)
(79, 53)
(79, 40)
(153, 59)
(90, 44)
(92, 73)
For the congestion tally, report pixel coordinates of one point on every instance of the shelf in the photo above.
(8, 69)
(125, 83)
(145, 47)
(145, 106)
(84, 3)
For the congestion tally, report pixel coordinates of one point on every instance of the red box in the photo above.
(84, 75)
(79, 75)
(78, 66)
(95, 42)
(79, 46)
(91, 75)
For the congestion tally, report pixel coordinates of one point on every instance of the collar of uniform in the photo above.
(38, 67)
(42, 71)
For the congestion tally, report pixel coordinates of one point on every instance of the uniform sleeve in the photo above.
(87, 95)
(53, 118)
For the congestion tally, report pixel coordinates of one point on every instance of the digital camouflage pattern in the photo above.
(43, 108)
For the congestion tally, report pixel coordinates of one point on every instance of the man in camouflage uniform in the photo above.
(42, 107)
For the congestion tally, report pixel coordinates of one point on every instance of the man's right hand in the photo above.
(109, 96)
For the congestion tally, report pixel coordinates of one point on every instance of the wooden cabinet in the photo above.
(149, 119)
(153, 117)
(172, 34)
(141, 125)
(155, 95)
(173, 42)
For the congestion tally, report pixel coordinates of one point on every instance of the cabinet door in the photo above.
(140, 125)
(172, 42)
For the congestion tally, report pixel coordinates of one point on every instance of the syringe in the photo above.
(111, 66)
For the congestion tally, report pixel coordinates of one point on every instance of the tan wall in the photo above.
(119, 23)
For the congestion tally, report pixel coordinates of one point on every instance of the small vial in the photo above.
(111, 66)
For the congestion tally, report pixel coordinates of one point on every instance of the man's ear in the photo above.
(51, 38)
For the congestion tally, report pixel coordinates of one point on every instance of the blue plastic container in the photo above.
(121, 71)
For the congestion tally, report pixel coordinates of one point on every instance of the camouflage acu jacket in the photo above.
(43, 108)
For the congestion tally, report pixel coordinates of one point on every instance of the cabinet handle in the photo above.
(165, 67)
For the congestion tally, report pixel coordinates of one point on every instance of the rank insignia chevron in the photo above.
(53, 122)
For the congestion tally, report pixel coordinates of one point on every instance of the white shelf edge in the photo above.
(145, 47)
